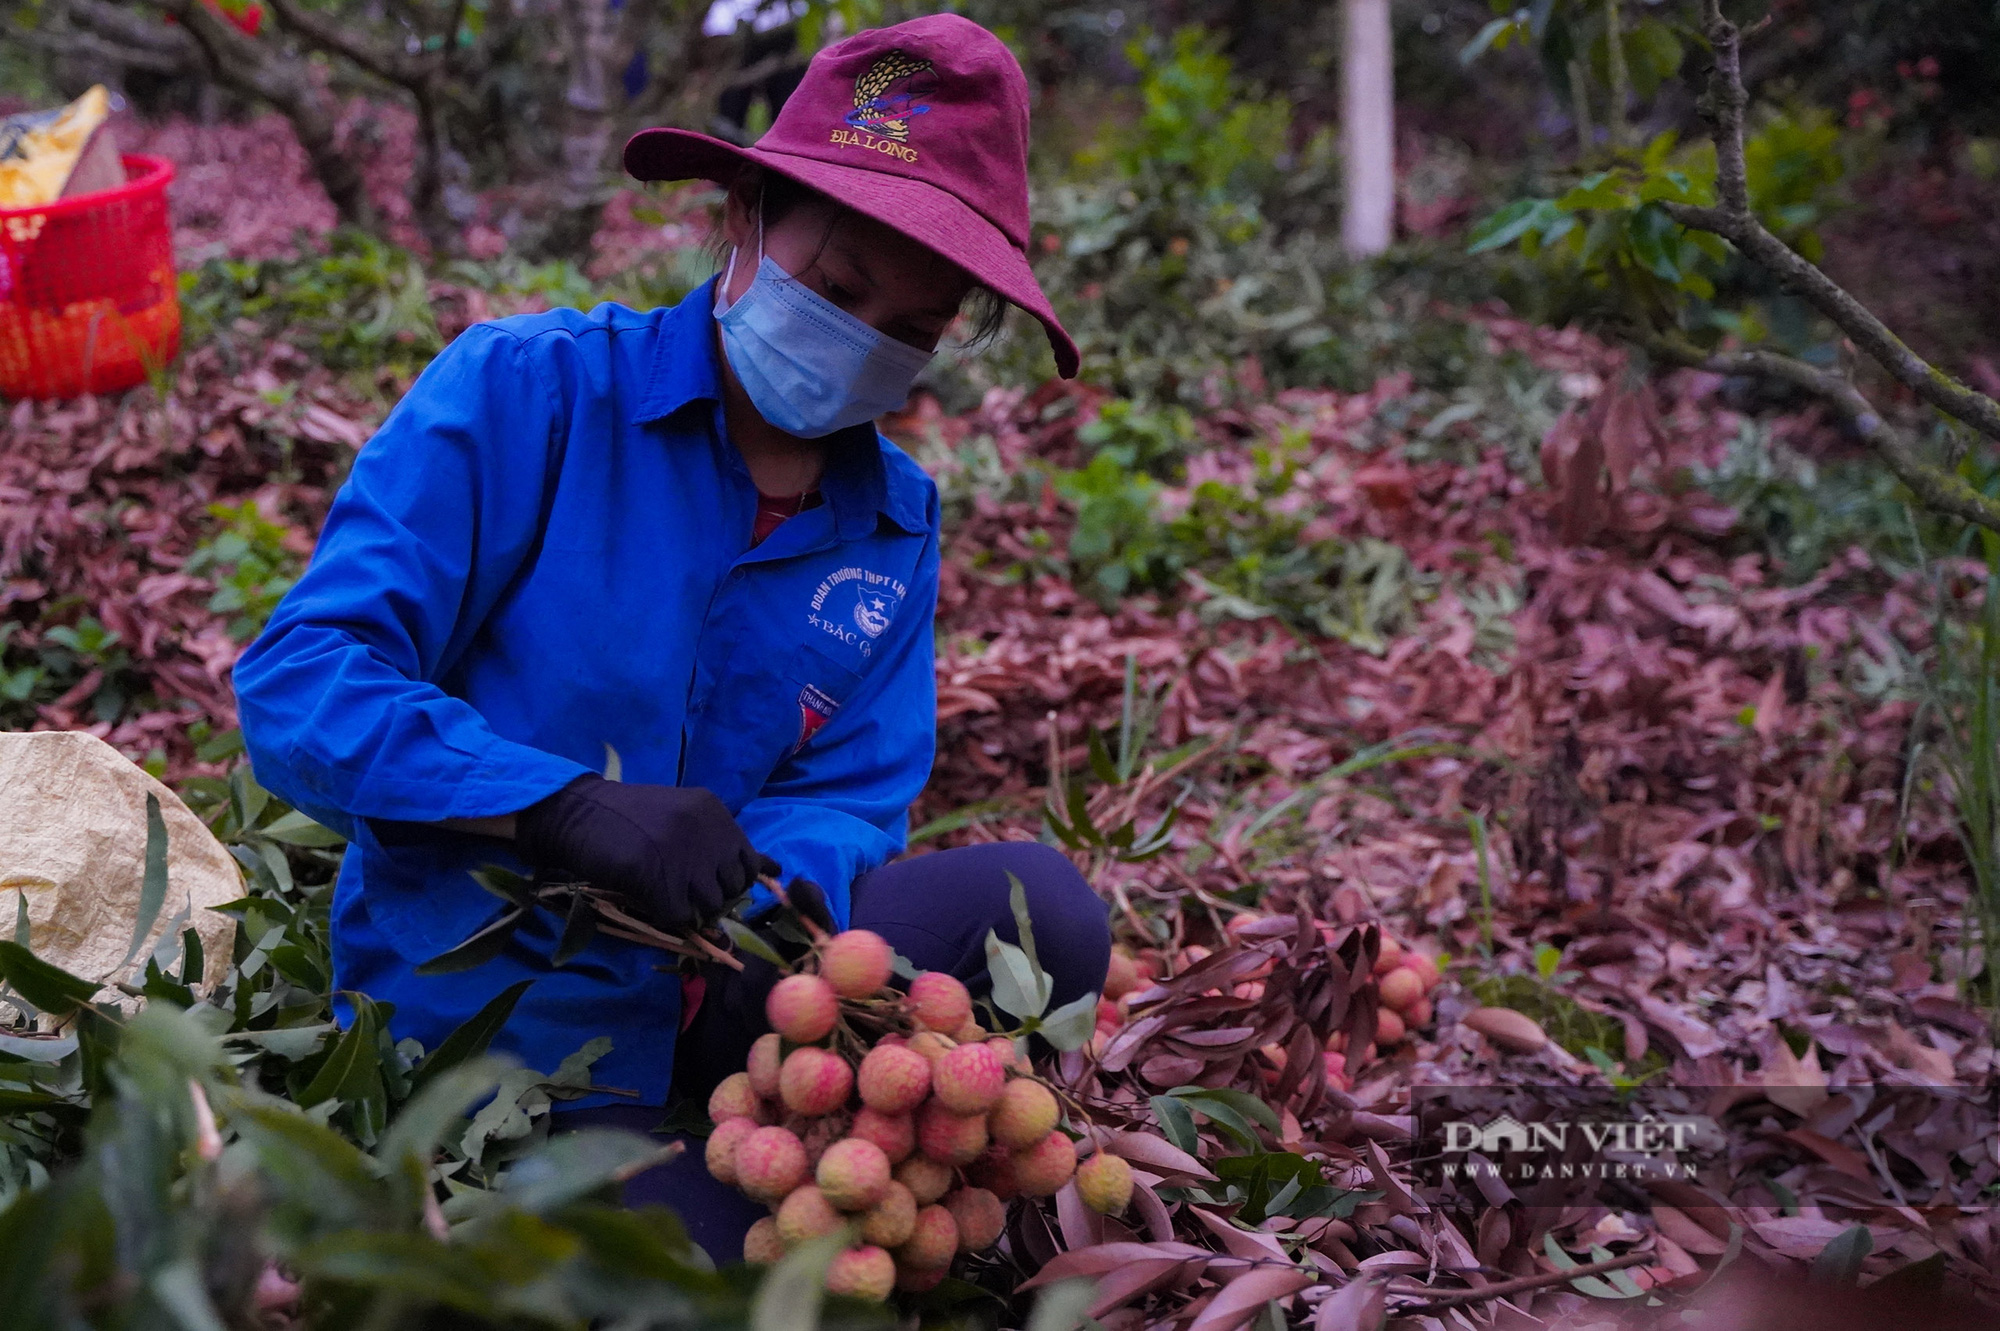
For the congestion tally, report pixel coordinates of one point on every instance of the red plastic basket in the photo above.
(88, 301)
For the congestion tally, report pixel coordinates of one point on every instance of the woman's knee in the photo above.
(1072, 924)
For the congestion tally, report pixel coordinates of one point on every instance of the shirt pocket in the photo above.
(760, 714)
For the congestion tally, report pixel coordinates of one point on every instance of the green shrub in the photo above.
(1243, 550)
(249, 564)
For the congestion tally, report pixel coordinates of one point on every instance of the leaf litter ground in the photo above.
(1643, 753)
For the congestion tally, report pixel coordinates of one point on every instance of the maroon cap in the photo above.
(923, 127)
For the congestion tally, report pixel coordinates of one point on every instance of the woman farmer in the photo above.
(676, 536)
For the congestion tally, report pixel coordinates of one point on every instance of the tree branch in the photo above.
(1621, 78)
(1436, 1299)
(392, 66)
(130, 29)
(256, 69)
(1935, 486)
(77, 42)
(1733, 220)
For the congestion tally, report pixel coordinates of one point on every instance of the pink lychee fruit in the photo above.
(1123, 977)
(770, 1162)
(1390, 957)
(1389, 1028)
(733, 1097)
(805, 1215)
(1009, 1056)
(1426, 969)
(1417, 1014)
(970, 1033)
(994, 1171)
(894, 1079)
(1400, 988)
(952, 1139)
(927, 1179)
(853, 1174)
(890, 1222)
(816, 1134)
(919, 1280)
(802, 1008)
(762, 1246)
(1025, 1113)
(767, 1056)
(1044, 1168)
(862, 1273)
(896, 1134)
(722, 1144)
(929, 1045)
(1104, 1182)
(933, 1240)
(966, 1080)
(940, 1001)
(815, 1081)
(856, 963)
(980, 1218)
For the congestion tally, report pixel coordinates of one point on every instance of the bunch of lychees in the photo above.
(897, 1115)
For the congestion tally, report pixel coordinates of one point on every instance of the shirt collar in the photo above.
(858, 483)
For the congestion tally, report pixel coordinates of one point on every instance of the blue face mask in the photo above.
(809, 366)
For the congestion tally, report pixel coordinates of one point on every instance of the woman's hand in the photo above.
(673, 853)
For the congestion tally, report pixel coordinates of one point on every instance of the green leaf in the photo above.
(479, 949)
(310, 1163)
(1492, 37)
(579, 928)
(296, 829)
(350, 1070)
(1100, 757)
(471, 1038)
(153, 887)
(1177, 1121)
(790, 1297)
(1071, 1025)
(614, 766)
(572, 1165)
(1839, 1262)
(746, 939)
(1017, 902)
(1655, 241)
(50, 988)
(1063, 1305)
(1506, 226)
(38, 1048)
(21, 929)
(1589, 1285)
(1242, 1102)
(181, 1289)
(1019, 989)
(193, 959)
(504, 883)
(1604, 190)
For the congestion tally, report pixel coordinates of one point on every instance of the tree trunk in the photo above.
(590, 43)
(256, 69)
(1368, 129)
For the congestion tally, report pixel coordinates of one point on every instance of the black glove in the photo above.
(809, 900)
(732, 1016)
(672, 852)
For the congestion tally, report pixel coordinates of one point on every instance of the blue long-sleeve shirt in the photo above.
(544, 555)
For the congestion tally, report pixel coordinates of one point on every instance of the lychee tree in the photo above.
(1673, 240)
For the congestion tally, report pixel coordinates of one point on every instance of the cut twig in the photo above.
(1506, 1288)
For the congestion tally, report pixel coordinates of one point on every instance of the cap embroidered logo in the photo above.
(886, 99)
(885, 94)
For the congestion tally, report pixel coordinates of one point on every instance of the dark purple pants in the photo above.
(934, 909)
